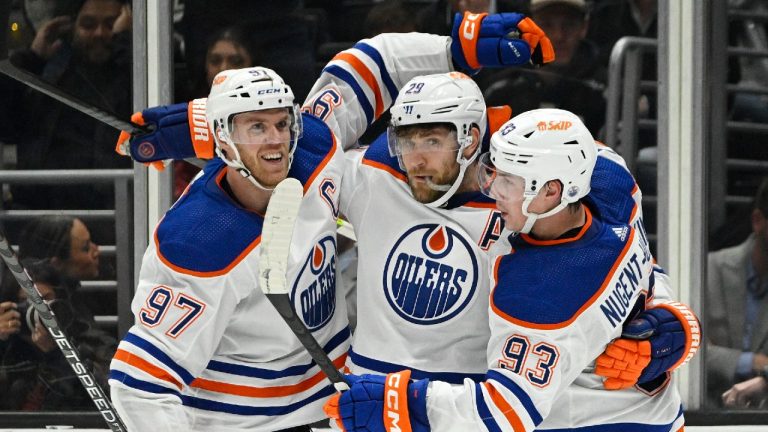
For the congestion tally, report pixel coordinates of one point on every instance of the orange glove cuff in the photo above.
(691, 327)
(396, 402)
(202, 139)
(469, 32)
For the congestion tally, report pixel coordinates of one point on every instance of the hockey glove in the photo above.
(378, 403)
(178, 133)
(659, 340)
(498, 40)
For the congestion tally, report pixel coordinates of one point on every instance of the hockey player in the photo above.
(425, 236)
(240, 367)
(208, 351)
(450, 343)
(566, 288)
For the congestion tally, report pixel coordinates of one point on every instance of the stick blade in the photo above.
(276, 234)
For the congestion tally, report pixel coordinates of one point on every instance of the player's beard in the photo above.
(446, 175)
(266, 173)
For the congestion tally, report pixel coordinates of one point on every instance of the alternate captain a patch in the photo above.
(431, 274)
(314, 291)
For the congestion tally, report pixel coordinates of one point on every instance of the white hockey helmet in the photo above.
(539, 146)
(242, 90)
(451, 98)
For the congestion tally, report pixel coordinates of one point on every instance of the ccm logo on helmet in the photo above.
(470, 26)
(554, 125)
(269, 91)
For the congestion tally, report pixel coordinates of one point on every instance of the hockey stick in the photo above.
(276, 234)
(31, 80)
(48, 319)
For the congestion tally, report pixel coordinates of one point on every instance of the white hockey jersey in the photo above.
(554, 307)
(422, 280)
(208, 352)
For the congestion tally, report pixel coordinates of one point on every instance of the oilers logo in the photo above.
(314, 291)
(431, 274)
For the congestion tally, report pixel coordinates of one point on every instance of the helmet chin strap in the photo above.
(531, 218)
(237, 164)
(463, 164)
(438, 187)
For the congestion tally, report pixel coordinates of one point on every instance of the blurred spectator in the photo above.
(618, 18)
(388, 17)
(33, 372)
(279, 30)
(737, 317)
(83, 55)
(227, 49)
(67, 243)
(437, 18)
(752, 393)
(574, 81)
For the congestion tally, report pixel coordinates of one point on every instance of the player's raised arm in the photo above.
(362, 82)
(359, 84)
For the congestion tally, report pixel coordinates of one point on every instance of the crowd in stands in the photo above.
(84, 48)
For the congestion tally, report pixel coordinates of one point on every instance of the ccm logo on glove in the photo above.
(471, 22)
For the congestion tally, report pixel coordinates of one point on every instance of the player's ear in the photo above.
(470, 149)
(553, 190)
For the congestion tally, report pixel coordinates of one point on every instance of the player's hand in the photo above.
(659, 340)
(498, 40)
(176, 133)
(362, 408)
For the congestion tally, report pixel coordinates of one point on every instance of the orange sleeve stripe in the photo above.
(265, 392)
(505, 408)
(141, 364)
(367, 76)
(398, 175)
(583, 307)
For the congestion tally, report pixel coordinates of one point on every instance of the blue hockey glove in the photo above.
(377, 403)
(659, 340)
(498, 40)
(177, 133)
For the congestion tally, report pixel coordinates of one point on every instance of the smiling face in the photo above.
(263, 141)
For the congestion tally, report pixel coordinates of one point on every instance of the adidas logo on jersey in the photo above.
(621, 232)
